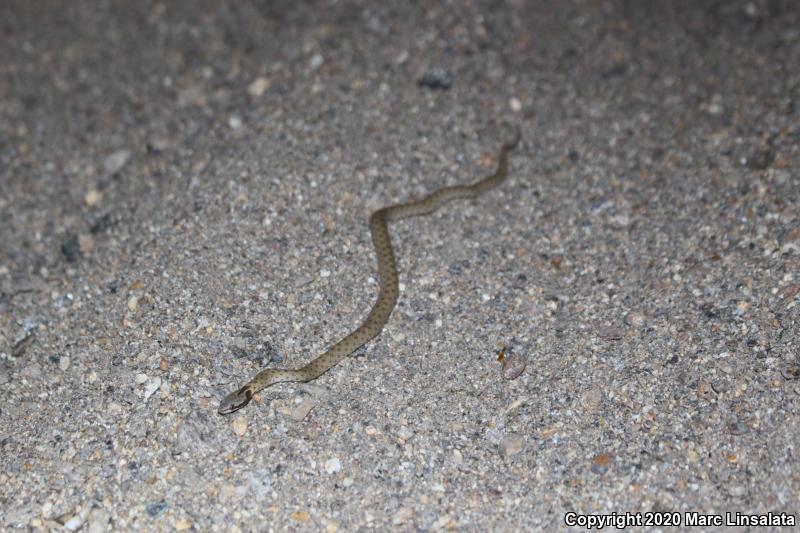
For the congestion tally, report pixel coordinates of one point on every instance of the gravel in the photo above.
(184, 190)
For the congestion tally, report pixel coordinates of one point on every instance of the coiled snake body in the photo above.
(389, 289)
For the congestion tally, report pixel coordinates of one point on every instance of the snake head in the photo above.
(235, 401)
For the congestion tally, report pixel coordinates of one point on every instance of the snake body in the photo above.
(389, 286)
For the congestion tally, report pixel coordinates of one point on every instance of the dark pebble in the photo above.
(437, 78)
(157, 508)
(69, 248)
(101, 224)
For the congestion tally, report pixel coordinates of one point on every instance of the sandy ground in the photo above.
(184, 189)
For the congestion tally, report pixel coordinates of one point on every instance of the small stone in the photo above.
(133, 303)
(511, 445)
(458, 457)
(634, 319)
(610, 334)
(70, 248)
(301, 516)
(156, 509)
(74, 523)
(715, 105)
(347, 482)
(602, 462)
(301, 411)
(258, 87)
(182, 525)
(140, 378)
(316, 61)
(333, 465)
(515, 104)
(115, 161)
(151, 386)
(235, 122)
(513, 365)
(437, 78)
(239, 426)
(63, 363)
(93, 197)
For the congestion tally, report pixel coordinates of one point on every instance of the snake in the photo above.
(389, 289)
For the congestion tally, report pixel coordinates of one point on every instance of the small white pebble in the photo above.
(75, 523)
(140, 378)
(114, 162)
(515, 104)
(239, 426)
(93, 197)
(258, 87)
(316, 61)
(333, 465)
(63, 363)
(133, 303)
(235, 122)
(458, 458)
(152, 385)
(324, 273)
(511, 445)
(301, 411)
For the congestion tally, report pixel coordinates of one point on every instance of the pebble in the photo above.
(234, 122)
(239, 426)
(77, 521)
(63, 363)
(511, 445)
(513, 365)
(156, 509)
(316, 61)
(301, 410)
(515, 104)
(437, 78)
(140, 378)
(602, 462)
(116, 161)
(74, 523)
(333, 465)
(151, 386)
(258, 87)
(70, 248)
(93, 197)
(634, 319)
(405, 433)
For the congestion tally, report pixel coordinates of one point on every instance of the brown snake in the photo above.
(389, 289)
